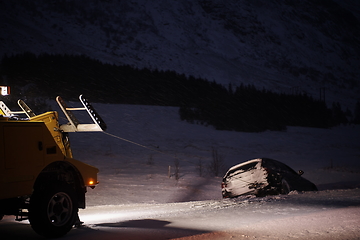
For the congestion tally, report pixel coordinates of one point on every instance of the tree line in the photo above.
(239, 108)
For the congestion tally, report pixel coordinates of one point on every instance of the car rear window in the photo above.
(277, 166)
(242, 169)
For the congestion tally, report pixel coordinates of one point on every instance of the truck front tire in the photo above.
(53, 210)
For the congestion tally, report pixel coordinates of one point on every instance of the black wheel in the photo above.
(285, 187)
(53, 210)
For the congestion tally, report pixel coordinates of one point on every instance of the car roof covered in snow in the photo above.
(244, 163)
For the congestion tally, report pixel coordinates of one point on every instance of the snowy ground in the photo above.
(136, 199)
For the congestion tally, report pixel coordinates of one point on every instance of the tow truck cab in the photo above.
(39, 178)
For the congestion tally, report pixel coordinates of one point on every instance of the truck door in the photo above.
(23, 155)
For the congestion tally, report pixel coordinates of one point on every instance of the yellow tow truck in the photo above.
(39, 178)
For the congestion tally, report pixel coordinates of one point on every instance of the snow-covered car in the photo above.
(263, 176)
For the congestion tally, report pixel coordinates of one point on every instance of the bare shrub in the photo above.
(216, 165)
(150, 160)
(200, 167)
(177, 169)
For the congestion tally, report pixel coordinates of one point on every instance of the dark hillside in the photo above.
(242, 108)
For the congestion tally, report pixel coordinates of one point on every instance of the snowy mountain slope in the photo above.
(285, 46)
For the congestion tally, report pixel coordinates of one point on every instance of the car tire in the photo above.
(314, 188)
(53, 210)
(285, 187)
